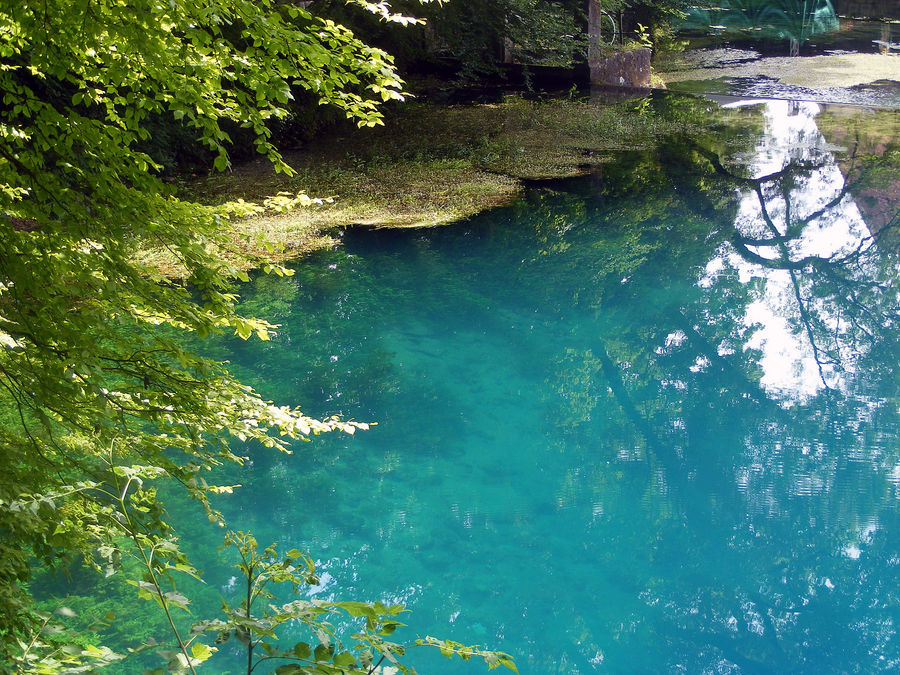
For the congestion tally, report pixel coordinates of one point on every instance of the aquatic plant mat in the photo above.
(431, 165)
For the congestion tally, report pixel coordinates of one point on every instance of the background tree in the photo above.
(99, 399)
(473, 39)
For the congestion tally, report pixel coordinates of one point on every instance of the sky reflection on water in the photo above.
(789, 360)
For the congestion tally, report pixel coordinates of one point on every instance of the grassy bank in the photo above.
(431, 165)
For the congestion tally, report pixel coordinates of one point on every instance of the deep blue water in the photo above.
(626, 425)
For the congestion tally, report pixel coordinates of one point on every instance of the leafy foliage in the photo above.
(326, 653)
(531, 32)
(99, 399)
(476, 35)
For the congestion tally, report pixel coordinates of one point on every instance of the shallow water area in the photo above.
(859, 79)
(858, 64)
(884, 93)
(642, 421)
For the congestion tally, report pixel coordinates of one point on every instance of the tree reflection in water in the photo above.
(827, 291)
(803, 496)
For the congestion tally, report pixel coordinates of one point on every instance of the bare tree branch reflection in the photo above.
(841, 296)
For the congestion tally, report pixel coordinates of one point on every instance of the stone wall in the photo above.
(622, 69)
(608, 67)
(869, 9)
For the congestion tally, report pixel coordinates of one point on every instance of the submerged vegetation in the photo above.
(432, 165)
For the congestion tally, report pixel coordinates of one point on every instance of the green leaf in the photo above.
(201, 652)
(354, 608)
(290, 669)
(507, 662)
(344, 660)
(323, 652)
(221, 162)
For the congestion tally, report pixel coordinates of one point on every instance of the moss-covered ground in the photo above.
(431, 165)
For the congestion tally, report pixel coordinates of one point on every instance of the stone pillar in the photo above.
(594, 15)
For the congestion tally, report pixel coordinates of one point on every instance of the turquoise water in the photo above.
(626, 425)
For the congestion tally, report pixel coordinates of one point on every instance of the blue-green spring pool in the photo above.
(631, 424)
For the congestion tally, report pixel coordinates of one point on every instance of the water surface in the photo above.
(645, 421)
